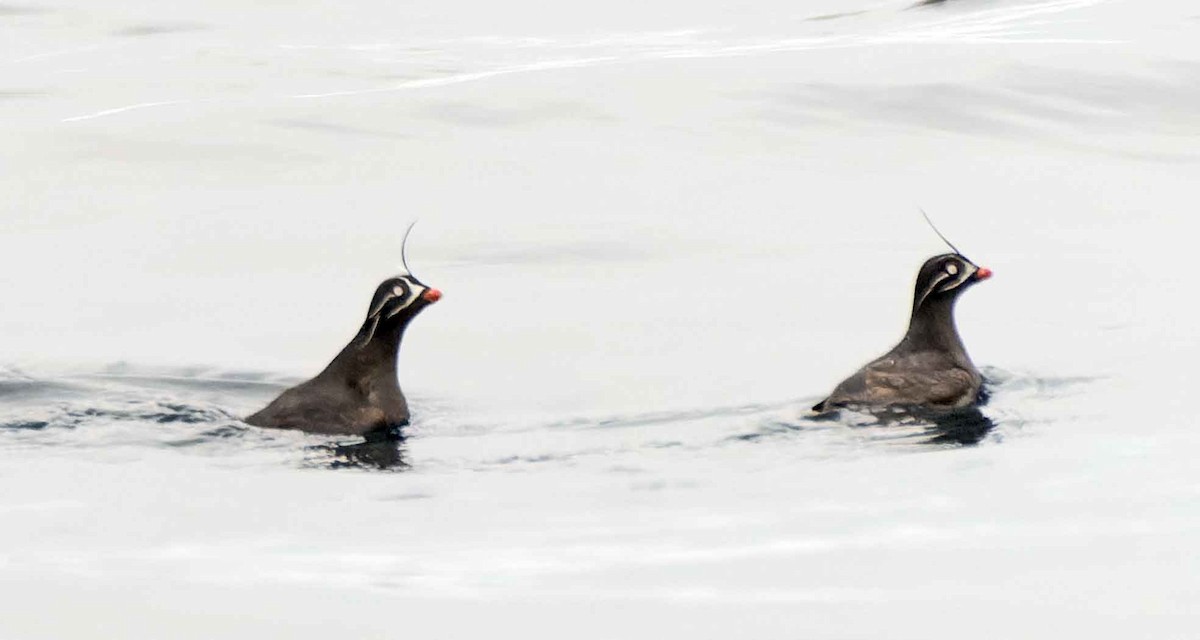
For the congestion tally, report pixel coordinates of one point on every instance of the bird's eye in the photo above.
(398, 292)
(952, 269)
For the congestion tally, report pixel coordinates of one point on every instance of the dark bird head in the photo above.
(397, 301)
(944, 277)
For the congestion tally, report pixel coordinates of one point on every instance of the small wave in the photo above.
(175, 408)
(997, 380)
(157, 412)
(189, 410)
(193, 376)
(33, 425)
(777, 428)
(959, 427)
(16, 385)
(208, 436)
(669, 417)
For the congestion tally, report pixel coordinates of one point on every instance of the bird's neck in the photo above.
(932, 328)
(371, 354)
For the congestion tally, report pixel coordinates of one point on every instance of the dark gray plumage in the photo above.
(358, 393)
(930, 367)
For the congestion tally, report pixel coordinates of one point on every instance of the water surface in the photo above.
(663, 229)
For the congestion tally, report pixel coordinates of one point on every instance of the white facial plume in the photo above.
(401, 296)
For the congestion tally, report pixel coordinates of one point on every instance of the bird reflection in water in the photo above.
(965, 426)
(373, 453)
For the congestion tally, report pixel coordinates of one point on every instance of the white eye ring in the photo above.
(952, 269)
(398, 292)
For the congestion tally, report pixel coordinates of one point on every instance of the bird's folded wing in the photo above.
(887, 385)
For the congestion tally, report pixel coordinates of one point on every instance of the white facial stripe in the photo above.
(370, 332)
(962, 277)
(378, 307)
(397, 293)
(933, 286)
(414, 291)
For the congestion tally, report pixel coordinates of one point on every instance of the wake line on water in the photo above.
(468, 77)
(132, 107)
(53, 54)
(274, 384)
(991, 26)
(93, 414)
(976, 28)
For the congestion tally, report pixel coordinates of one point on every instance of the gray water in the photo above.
(663, 229)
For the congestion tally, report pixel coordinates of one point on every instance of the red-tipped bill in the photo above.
(432, 295)
(983, 273)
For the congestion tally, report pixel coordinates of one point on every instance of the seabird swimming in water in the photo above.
(930, 368)
(358, 393)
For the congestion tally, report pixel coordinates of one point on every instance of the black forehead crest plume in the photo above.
(404, 248)
(939, 233)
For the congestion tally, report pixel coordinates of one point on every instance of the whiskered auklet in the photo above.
(358, 393)
(930, 367)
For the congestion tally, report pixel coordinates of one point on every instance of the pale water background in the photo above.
(663, 230)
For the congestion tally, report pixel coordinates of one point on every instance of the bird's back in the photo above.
(932, 379)
(332, 407)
